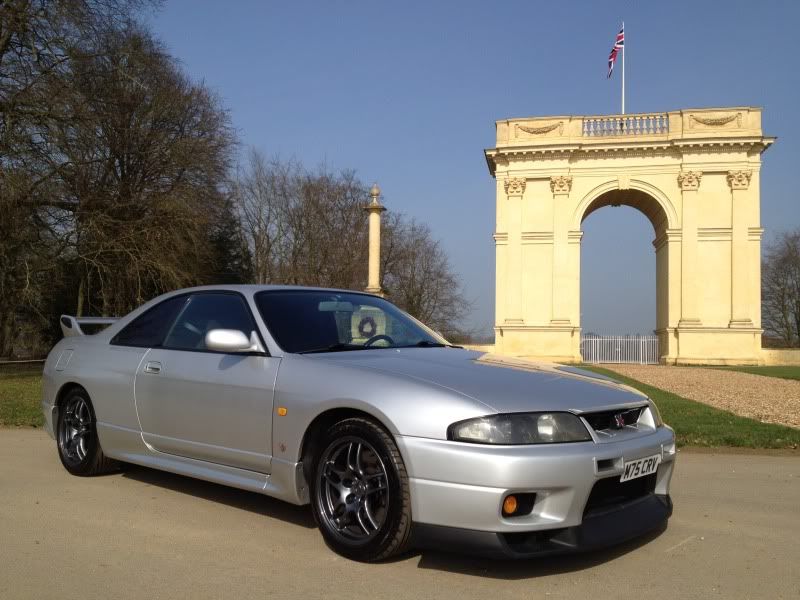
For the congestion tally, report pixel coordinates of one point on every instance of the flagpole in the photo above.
(625, 43)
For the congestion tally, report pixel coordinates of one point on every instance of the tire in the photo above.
(360, 493)
(76, 437)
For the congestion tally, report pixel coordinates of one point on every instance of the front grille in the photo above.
(606, 419)
(611, 492)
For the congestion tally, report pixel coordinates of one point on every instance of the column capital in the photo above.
(515, 186)
(739, 180)
(689, 180)
(561, 185)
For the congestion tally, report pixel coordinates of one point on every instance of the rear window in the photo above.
(149, 329)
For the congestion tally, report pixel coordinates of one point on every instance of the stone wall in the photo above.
(780, 356)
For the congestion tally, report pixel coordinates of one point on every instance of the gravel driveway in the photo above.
(766, 399)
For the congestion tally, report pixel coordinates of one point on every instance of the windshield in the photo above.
(306, 321)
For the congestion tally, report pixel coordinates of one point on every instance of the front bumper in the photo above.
(459, 487)
(600, 530)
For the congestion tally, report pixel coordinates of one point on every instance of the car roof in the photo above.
(251, 288)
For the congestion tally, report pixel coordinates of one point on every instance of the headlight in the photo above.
(520, 428)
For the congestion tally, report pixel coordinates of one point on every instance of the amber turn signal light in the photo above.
(509, 505)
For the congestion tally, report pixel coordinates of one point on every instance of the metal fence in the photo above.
(640, 349)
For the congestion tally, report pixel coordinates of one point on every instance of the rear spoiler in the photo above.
(71, 326)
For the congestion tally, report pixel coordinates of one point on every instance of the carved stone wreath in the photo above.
(719, 121)
(544, 129)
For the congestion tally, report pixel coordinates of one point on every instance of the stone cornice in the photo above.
(635, 148)
(500, 236)
(714, 234)
(537, 235)
(754, 234)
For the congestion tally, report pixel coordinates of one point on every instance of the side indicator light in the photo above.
(510, 505)
(282, 411)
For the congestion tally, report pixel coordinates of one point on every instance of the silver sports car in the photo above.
(341, 400)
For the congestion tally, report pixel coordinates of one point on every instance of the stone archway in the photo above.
(693, 173)
(659, 211)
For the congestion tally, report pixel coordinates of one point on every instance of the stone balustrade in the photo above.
(587, 130)
(634, 124)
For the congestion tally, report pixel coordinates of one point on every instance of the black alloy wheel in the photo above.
(76, 436)
(361, 496)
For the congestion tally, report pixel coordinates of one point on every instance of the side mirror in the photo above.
(233, 341)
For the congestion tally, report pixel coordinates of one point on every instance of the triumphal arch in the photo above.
(693, 173)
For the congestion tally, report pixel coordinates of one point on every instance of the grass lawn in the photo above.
(20, 395)
(698, 424)
(695, 424)
(780, 372)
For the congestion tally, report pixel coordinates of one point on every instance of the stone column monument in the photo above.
(374, 208)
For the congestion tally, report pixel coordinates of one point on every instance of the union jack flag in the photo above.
(618, 45)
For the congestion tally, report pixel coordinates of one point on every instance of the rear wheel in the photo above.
(78, 446)
(360, 495)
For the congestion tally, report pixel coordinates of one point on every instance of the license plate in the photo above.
(640, 467)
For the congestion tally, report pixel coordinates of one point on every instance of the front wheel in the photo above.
(78, 446)
(360, 496)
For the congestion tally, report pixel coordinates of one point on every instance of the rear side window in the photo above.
(205, 312)
(149, 329)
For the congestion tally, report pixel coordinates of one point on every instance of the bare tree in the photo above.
(302, 227)
(142, 166)
(310, 228)
(419, 278)
(780, 289)
(38, 40)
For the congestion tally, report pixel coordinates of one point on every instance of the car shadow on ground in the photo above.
(428, 559)
(532, 567)
(240, 499)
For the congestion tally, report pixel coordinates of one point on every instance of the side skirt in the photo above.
(285, 482)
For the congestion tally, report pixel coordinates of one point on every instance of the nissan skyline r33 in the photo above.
(340, 400)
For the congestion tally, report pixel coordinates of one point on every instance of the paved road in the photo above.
(145, 534)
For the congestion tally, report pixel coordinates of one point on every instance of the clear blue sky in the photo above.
(407, 94)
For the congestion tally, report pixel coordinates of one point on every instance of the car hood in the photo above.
(503, 384)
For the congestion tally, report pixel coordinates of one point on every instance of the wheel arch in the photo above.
(324, 420)
(64, 391)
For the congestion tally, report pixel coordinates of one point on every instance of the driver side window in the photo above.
(204, 312)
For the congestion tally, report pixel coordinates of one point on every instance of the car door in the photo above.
(207, 405)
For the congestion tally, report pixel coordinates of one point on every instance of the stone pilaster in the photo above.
(515, 190)
(739, 182)
(689, 183)
(561, 185)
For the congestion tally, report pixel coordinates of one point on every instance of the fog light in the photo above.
(509, 505)
(518, 504)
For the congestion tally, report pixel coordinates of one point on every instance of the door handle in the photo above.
(152, 367)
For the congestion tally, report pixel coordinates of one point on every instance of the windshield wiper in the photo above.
(340, 347)
(429, 344)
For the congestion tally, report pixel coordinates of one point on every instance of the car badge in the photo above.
(619, 421)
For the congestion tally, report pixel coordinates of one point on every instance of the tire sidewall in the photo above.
(92, 442)
(377, 545)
